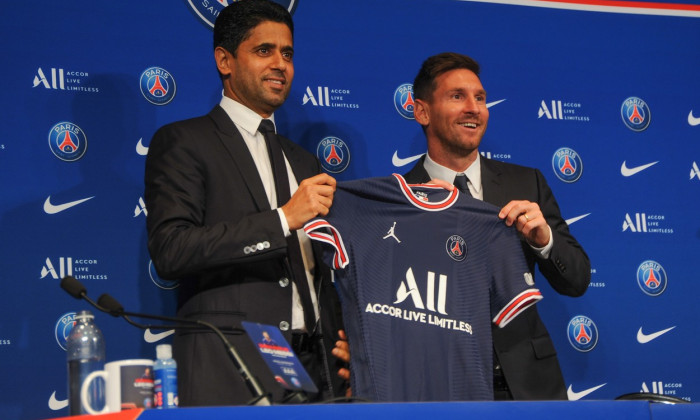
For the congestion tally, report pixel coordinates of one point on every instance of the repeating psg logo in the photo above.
(456, 248)
(163, 284)
(635, 114)
(651, 278)
(157, 85)
(403, 100)
(67, 141)
(334, 154)
(208, 10)
(64, 325)
(582, 333)
(567, 165)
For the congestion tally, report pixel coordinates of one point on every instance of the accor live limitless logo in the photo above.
(561, 110)
(694, 171)
(428, 307)
(60, 79)
(324, 96)
(80, 268)
(645, 223)
(665, 388)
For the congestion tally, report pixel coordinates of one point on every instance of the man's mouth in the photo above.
(276, 80)
(468, 124)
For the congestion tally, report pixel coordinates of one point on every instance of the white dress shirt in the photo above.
(247, 121)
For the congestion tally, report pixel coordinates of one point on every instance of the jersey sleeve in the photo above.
(512, 284)
(322, 231)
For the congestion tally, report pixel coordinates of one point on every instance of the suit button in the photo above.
(284, 325)
(284, 282)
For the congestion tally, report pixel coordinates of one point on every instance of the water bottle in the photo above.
(165, 378)
(85, 354)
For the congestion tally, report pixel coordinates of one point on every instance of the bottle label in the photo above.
(78, 370)
(165, 388)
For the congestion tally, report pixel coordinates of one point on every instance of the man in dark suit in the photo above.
(450, 105)
(220, 223)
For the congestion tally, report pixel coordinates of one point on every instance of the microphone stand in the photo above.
(259, 396)
(109, 305)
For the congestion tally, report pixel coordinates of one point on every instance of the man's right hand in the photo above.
(313, 197)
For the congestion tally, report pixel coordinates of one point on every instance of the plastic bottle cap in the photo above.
(164, 351)
(84, 315)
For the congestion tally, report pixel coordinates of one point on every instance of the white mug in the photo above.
(128, 384)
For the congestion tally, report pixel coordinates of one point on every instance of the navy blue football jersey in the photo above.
(422, 273)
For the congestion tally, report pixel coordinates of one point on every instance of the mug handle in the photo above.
(84, 392)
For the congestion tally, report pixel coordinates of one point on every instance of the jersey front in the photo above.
(422, 273)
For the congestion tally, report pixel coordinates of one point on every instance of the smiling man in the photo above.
(226, 196)
(450, 105)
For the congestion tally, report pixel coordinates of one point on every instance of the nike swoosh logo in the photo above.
(575, 396)
(692, 120)
(140, 148)
(398, 162)
(490, 104)
(625, 171)
(56, 404)
(57, 208)
(645, 338)
(575, 219)
(152, 337)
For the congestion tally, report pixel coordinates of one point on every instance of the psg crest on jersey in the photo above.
(67, 141)
(582, 333)
(651, 278)
(567, 165)
(208, 10)
(334, 154)
(157, 85)
(635, 114)
(456, 248)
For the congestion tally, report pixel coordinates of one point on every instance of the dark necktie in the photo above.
(279, 171)
(461, 183)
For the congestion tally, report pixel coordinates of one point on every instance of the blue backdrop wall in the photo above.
(604, 100)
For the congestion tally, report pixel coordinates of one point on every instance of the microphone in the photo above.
(76, 289)
(108, 304)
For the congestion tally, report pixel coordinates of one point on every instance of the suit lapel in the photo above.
(417, 174)
(491, 182)
(243, 161)
(293, 155)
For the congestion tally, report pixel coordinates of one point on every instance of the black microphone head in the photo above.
(74, 287)
(111, 305)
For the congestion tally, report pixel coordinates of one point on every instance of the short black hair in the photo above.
(237, 20)
(424, 84)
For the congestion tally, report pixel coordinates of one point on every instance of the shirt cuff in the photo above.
(283, 220)
(547, 249)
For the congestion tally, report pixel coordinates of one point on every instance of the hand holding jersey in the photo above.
(528, 220)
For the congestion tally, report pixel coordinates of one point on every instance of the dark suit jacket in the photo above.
(206, 208)
(524, 347)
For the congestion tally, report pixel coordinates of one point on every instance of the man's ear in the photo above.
(223, 60)
(421, 112)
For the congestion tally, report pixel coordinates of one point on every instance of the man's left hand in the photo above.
(528, 220)
(342, 352)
